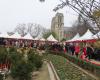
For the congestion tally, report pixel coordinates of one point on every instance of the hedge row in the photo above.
(95, 69)
(21, 64)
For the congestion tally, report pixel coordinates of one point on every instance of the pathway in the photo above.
(43, 74)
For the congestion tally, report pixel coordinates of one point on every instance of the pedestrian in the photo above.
(89, 51)
(77, 49)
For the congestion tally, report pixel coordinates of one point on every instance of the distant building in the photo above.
(57, 25)
(68, 33)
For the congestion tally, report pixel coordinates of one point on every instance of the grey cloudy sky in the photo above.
(13, 12)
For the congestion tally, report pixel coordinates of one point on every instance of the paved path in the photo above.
(43, 73)
(46, 73)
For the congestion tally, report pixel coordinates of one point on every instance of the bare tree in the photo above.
(85, 8)
(30, 25)
(21, 29)
(10, 33)
(36, 30)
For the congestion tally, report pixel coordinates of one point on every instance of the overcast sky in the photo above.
(13, 12)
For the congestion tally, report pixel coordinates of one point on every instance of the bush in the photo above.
(22, 68)
(21, 71)
(3, 49)
(15, 57)
(35, 59)
(1, 77)
(3, 55)
(12, 49)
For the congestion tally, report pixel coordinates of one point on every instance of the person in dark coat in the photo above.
(89, 51)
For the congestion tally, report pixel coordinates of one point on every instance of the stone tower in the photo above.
(57, 25)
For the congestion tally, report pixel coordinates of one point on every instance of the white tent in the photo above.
(87, 36)
(16, 36)
(28, 36)
(76, 37)
(36, 38)
(42, 39)
(96, 36)
(4, 35)
(51, 38)
(39, 37)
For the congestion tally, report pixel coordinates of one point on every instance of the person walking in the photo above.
(89, 51)
(77, 50)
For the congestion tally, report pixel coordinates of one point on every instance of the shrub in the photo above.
(12, 49)
(1, 77)
(35, 59)
(3, 55)
(3, 49)
(21, 68)
(21, 71)
(15, 57)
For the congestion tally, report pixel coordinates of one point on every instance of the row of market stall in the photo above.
(26, 37)
(88, 36)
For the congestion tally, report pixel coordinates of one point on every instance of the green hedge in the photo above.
(21, 65)
(95, 69)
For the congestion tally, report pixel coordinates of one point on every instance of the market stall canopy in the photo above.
(28, 36)
(96, 36)
(87, 36)
(36, 38)
(75, 38)
(51, 38)
(42, 39)
(4, 35)
(16, 36)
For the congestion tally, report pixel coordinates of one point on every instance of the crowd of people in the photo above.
(18, 43)
(86, 51)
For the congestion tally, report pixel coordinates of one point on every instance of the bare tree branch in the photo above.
(83, 7)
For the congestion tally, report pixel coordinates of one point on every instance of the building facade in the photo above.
(57, 25)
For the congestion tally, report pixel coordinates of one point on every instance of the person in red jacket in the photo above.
(77, 50)
(83, 55)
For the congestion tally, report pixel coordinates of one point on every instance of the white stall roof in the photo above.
(28, 36)
(76, 37)
(42, 39)
(96, 36)
(87, 36)
(16, 36)
(37, 38)
(51, 38)
(4, 35)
